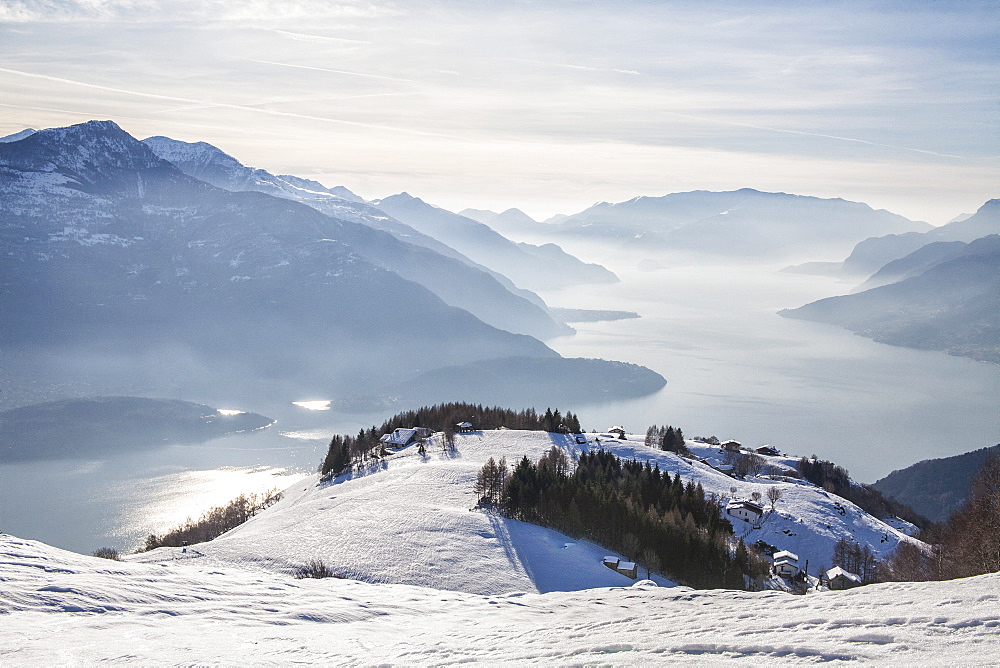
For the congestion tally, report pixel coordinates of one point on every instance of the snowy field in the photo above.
(431, 579)
(59, 608)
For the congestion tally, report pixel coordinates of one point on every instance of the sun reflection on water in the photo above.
(316, 405)
(166, 500)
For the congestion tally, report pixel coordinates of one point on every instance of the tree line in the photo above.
(344, 451)
(667, 438)
(213, 522)
(837, 480)
(967, 544)
(635, 509)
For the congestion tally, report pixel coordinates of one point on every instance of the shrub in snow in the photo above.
(107, 553)
(315, 568)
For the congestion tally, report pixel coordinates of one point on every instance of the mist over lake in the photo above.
(737, 370)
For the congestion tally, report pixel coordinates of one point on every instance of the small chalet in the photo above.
(732, 446)
(748, 511)
(786, 564)
(403, 436)
(463, 427)
(768, 450)
(628, 568)
(838, 578)
(617, 431)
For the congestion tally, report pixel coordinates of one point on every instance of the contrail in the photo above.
(203, 103)
(324, 69)
(809, 134)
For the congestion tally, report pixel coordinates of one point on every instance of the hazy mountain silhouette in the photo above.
(872, 254)
(383, 241)
(910, 265)
(743, 222)
(528, 266)
(512, 223)
(936, 488)
(114, 254)
(953, 305)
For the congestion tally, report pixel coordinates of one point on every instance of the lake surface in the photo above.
(734, 368)
(117, 501)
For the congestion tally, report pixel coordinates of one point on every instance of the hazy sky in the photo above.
(547, 106)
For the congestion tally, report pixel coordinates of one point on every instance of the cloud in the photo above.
(24, 11)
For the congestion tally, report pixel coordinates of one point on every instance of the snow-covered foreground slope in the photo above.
(411, 521)
(60, 608)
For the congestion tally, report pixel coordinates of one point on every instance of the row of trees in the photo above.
(837, 480)
(854, 558)
(344, 451)
(214, 522)
(666, 438)
(633, 508)
(967, 544)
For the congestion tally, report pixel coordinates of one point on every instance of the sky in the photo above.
(545, 106)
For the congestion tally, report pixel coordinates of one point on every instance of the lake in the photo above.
(734, 368)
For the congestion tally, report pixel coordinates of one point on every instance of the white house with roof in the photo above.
(628, 568)
(403, 436)
(786, 564)
(838, 578)
(748, 511)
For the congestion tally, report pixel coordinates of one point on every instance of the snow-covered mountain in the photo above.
(114, 255)
(107, 243)
(430, 579)
(390, 244)
(528, 266)
(742, 222)
(211, 165)
(18, 136)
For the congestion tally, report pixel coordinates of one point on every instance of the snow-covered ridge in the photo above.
(411, 520)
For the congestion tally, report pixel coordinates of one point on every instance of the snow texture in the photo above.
(62, 608)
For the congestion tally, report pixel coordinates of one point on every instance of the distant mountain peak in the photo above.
(87, 151)
(18, 136)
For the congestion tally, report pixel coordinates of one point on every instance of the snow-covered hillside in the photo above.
(62, 608)
(411, 521)
(430, 579)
